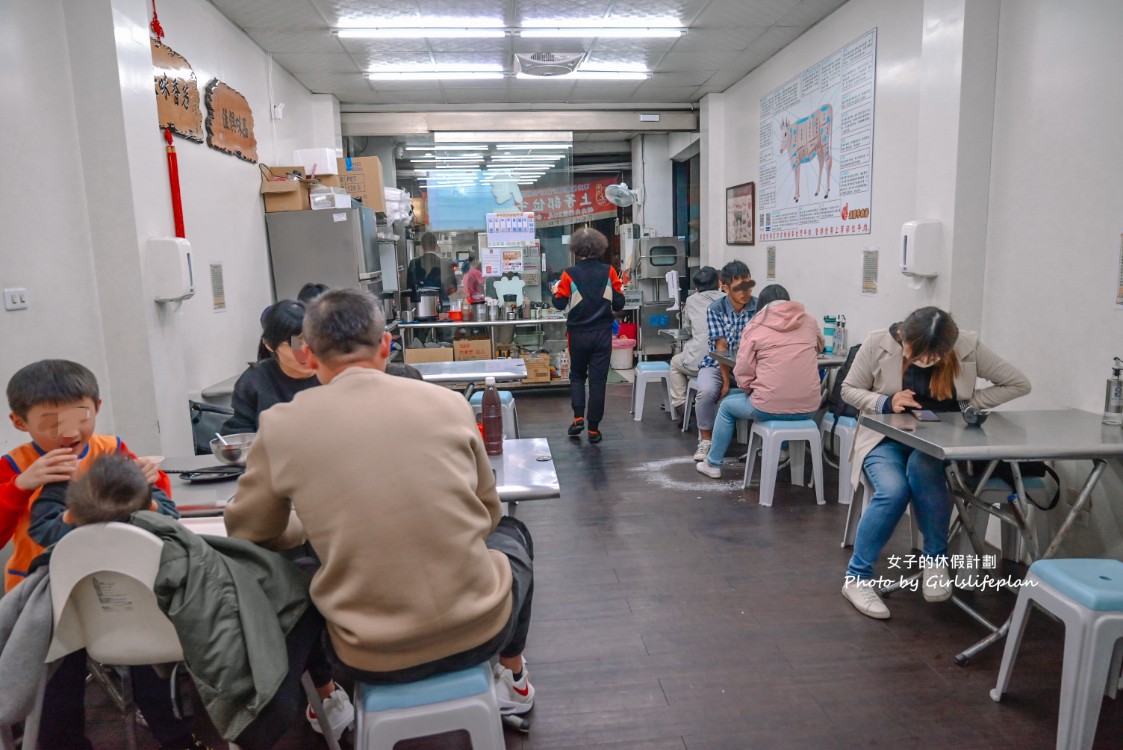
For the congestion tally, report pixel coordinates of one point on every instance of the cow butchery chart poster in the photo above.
(816, 148)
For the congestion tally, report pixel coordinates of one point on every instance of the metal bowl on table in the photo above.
(233, 453)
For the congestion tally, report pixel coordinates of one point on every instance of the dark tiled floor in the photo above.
(674, 613)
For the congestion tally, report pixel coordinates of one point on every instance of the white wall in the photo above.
(45, 244)
(79, 106)
(825, 274)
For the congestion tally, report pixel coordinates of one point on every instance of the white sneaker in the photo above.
(705, 467)
(514, 697)
(862, 595)
(702, 450)
(936, 583)
(340, 713)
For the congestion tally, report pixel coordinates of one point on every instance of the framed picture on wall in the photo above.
(740, 203)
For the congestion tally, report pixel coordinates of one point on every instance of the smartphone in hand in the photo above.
(926, 415)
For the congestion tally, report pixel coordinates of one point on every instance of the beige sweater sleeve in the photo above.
(258, 513)
(857, 389)
(1007, 381)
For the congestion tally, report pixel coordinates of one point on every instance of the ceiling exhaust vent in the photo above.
(548, 63)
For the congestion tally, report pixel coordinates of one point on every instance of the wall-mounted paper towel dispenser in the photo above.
(922, 248)
(168, 268)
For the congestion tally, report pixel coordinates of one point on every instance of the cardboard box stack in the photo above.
(362, 178)
(281, 193)
(468, 349)
(537, 368)
(428, 354)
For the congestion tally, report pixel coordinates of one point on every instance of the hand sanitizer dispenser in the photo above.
(921, 248)
(168, 268)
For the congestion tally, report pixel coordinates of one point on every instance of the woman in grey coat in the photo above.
(924, 362)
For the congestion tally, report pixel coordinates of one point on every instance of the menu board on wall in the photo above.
(816, 148)
(510, 230)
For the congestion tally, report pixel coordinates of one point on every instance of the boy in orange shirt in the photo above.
(55, 402)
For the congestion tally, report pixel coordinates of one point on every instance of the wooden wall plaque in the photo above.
(178, 103)
(230, 122)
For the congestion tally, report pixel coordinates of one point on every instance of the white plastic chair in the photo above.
(101, 594)
(772, 435)
(858, 506)
(650, 372)
(388, 714)
(844, 432)
(1087, 596)
(688, 406)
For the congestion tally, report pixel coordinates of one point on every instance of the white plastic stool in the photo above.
(847, 428)
(858, 507)
(388, 714)
(772, 434)
(1087, 595)
(510, 415)
(647, 372)
(688, 407)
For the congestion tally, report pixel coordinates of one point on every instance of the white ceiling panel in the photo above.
(296, 62)
(289, 40)
(286, 14)
(726, 39)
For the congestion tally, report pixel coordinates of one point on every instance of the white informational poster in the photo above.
(491, 261)
(1119, 295)
(869, 271)
(512, 260)
(532, 265)
(816, 148)
(510, 230)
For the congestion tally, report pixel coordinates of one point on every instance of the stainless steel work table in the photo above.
(1010, 436)
(826, 361)
(472, 371)
(524, 471)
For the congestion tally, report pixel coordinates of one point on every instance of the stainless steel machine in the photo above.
(337, 247)
(655, 256)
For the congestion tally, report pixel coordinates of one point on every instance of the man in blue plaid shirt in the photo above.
(725, 319)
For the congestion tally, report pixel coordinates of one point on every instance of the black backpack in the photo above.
(833, 403)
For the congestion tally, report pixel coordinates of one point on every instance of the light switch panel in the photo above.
(15, 299)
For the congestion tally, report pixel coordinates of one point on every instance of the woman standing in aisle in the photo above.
(924, 362)
(591, 291)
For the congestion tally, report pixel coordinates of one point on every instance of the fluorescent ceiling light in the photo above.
(444, 148)
(506, 136)
(602, 27)
(434, 75)
(527, 157)
(440, 159)
(417, 27)
(518, 146)
(421, 32)
(601, 32)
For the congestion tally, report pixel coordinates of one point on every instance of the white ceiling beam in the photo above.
(406, 123)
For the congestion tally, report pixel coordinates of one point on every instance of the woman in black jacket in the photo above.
(592, 292)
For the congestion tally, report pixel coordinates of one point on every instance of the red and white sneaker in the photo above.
(340, 713)
(515, 697)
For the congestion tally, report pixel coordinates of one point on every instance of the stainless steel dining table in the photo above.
(1013, 437)
(472, 371)
(523, 472)
(825, 361)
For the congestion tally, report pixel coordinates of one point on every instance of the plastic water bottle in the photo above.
(491, 410)
(839, 344)
(1113, 400)
(828, 334)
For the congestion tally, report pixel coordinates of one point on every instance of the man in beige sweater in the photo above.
(388, 479)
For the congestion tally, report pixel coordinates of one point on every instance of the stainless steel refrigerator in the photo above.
(337, 247)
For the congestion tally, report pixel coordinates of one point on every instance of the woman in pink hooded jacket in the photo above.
(777, 371)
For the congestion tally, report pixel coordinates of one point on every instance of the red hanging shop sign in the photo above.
(570, 204)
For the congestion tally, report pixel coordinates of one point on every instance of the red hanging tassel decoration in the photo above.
(157, 29)
(173, 178)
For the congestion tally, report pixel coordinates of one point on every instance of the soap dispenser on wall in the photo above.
(921, 248)
(168, 268)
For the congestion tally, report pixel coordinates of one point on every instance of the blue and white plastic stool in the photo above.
(844, 432)
(388, 714)
(772, 435)
(688, 406)
(510, 416)
(647, 372)
(1087, 596)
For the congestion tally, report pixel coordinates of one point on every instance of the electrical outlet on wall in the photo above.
(16, 299)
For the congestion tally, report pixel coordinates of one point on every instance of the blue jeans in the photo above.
(737, 406)
(900, 474)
